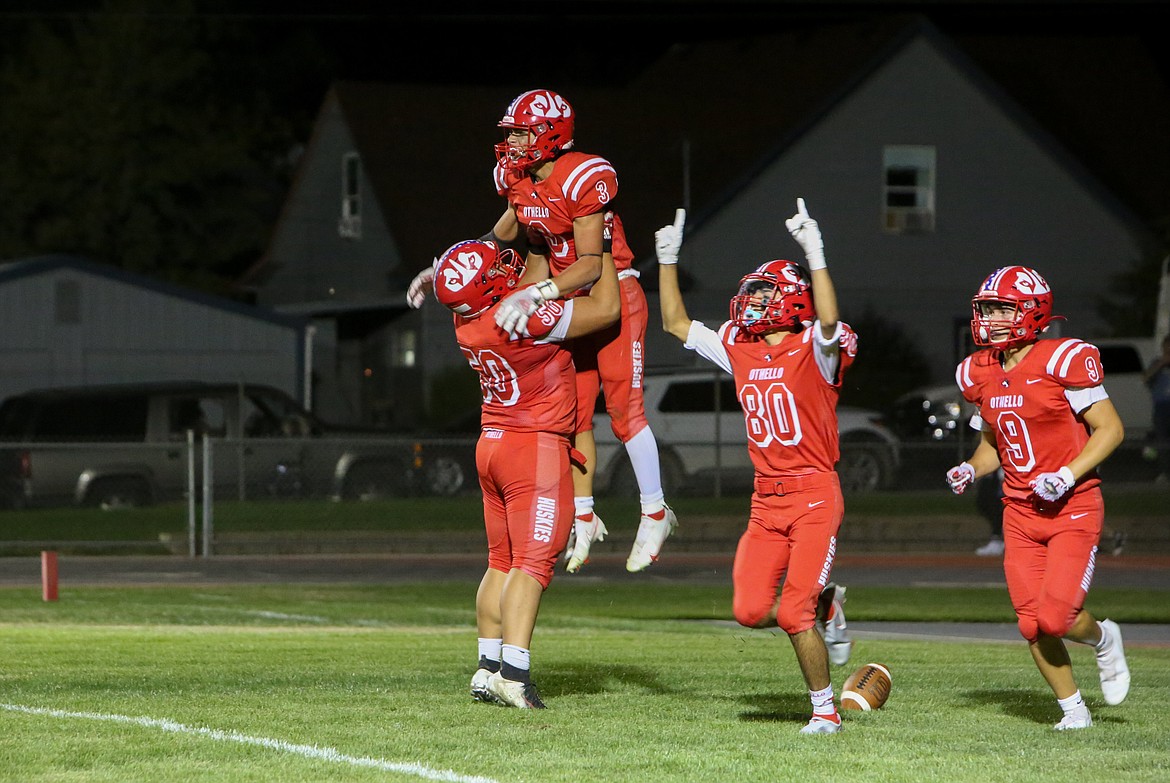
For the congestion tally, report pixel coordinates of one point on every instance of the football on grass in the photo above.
(867, 688)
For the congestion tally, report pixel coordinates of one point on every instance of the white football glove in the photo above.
(519, 306)
(960, 477)
(1053, 486)
(422, 284)
(808, 235)
(668, 239)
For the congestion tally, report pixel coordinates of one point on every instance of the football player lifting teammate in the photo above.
(560, 204)
(1045, 418)
(523, 454)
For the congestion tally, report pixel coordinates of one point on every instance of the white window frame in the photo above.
(908, 188)
(404, 348)
(349, 226)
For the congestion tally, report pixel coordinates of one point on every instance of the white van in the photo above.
(697, 446)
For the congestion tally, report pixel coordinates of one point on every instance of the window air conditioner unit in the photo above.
(350, 227)
(907, 221)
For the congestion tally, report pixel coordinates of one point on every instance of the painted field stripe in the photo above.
(308, 751)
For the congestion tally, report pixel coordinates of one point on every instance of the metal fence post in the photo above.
(191, 493)
(208, 483)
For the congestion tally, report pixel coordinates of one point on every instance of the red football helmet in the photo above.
(547, 117)
(1025, 293)
(777, 295)
(473, 275)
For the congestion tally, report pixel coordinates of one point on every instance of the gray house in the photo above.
(924, 173)
(925, 177)
(68, 321)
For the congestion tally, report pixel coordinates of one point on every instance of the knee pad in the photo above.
(794, 620)
(1055, 619)
(1029, 629)
(539, 573)
(751, 615)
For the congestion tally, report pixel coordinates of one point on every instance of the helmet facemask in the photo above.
(473, 275)
(776, 296)
(548, 120)
(1011, 309)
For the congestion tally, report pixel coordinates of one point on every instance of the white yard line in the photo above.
(330, 755)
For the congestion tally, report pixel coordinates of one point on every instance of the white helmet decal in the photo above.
(551, 105)
(460, 269)
(1030, 282)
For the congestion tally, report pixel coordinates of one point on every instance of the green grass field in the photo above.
(369, 683)
(443, 516)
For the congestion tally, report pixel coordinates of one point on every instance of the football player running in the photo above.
(788, 352)
(1045, 418)
(560, 206)
(523, 453)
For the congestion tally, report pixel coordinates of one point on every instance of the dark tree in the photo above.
(144, 139)
(889, 363)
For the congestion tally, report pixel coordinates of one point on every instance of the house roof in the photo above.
(706, 116)
(40, 265)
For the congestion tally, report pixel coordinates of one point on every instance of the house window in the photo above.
(67, 302)
(350, 224)
(908, 195)
(404, 348)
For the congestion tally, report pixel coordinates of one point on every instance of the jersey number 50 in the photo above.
(497, 379)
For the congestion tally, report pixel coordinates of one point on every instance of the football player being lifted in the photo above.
(523, 453)
(787, 352)
(1045, 418)
(560, 207)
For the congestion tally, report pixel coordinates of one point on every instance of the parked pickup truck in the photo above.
(127, 445)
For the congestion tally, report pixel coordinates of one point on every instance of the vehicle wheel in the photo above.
(444, 476)
(863, 468)
(372, 481)
(111, 494)
(625, 483)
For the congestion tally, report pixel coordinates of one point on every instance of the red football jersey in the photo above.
(528, 384)
(1036, 429)
(789, 406)
(579, 185)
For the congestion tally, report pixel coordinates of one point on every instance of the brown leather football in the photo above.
(867, 689)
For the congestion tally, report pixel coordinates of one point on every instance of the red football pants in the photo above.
(1048, 561)
(527, 500)
(790, 537)
(612, 359)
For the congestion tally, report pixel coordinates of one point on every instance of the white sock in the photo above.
(643, 451)
(1072, 703)
(1106, 640)
(582, 505)
(822, 701)
(490, 648)
(517, 657)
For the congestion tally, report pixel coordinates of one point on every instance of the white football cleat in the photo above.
(584, 534)
(1077, 719)
(1112, 667)
(652, 534)
(831, 621)
(513, 693)
(993, 548)
(480, 687)
(822, 725)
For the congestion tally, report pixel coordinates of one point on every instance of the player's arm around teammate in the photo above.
(523, 454)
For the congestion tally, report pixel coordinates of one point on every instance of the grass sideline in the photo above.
(446, 516)
(315, 683)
